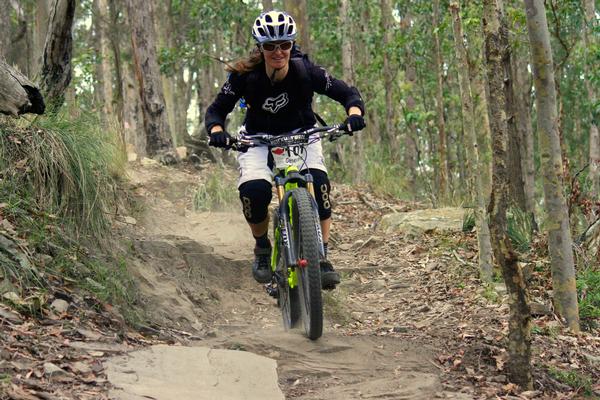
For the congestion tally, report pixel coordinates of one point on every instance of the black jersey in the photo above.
(283, 106)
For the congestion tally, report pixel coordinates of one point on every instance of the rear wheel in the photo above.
(288, 298)
(305, 242)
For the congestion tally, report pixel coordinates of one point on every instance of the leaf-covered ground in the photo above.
(412, 303)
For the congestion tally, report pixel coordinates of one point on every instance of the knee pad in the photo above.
(322, 189)
(255, 196)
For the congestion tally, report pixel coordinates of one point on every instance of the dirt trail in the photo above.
(194, 273)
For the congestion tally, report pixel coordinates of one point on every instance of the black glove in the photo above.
(220, 139)
(354, 123)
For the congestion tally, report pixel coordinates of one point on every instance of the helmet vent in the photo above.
(274, 26)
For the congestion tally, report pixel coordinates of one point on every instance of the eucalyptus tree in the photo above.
(104, 68)
(156, 125)
(476, 190)
(559, 235)
(519, 335)
(443, 156)
(591, 42)
(5, 30)
(58, 48)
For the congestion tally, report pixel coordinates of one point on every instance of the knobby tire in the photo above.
(305, 242)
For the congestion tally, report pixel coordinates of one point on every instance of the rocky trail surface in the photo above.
(409, 321)
(197, 276)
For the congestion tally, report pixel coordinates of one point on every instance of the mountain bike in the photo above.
(298, 249)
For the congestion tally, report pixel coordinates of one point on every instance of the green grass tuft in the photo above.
(520, 230)
(469, 221)
(68, 168)
(577, 380)
(59, 179)
(217, 193)
(588, 291)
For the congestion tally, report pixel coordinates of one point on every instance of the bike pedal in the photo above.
(273, 291)
(329, 287)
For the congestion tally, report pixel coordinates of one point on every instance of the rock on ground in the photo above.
(190, 373)
(416, 222)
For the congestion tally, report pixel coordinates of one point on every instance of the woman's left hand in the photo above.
(354, 123)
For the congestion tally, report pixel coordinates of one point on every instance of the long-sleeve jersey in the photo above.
(283, 106)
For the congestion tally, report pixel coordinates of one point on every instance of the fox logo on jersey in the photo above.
(274, 104)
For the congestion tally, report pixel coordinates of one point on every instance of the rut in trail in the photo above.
(195, 278)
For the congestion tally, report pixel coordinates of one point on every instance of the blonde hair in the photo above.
(246, 64)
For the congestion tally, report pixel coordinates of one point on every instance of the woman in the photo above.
(278, 91)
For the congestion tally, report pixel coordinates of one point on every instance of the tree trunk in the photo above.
(347, 56)
(299, 11)
(443, 171)
(39, 33)
(56, 69)
(101, 25)
(589, 41)
(132, 113)
(522, 89)
(410, 145)
(559, 235)
(476, 190)
(515, 172)
(356, 145)
(485, 135)
(388, 77)
(267, 5)
(519, 336)
(114, 35)
(5, 31)
(17, 94)
(18, 44)
(156, 125)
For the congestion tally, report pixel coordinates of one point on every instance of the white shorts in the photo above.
(254, 164)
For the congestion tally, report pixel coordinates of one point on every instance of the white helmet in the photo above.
(274, 25)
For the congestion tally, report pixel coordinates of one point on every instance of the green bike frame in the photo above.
(291, 179)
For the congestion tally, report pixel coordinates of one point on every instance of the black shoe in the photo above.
(261, 269)
(329, 278)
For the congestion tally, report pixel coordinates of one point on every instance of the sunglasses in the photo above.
(273, 47)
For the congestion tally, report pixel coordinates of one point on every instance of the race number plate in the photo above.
(291, 156)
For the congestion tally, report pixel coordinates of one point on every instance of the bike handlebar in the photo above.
(242, 143)
(333, 132)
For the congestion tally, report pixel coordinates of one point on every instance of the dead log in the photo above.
(18, 95)
(198, 146)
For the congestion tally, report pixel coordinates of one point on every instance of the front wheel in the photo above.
(305, 242)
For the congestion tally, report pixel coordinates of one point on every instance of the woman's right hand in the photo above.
(220, 139)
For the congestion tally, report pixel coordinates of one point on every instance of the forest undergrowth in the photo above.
(61, 187)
